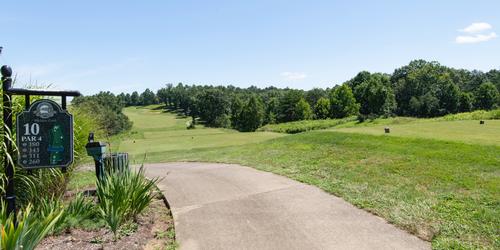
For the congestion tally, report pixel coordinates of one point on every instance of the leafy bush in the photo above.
(303, 126)
(123, 195)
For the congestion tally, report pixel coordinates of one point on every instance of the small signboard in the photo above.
(45, 136)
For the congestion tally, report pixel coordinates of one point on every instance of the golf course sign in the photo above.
(44, 136)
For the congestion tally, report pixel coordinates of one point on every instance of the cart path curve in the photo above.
(226, 206)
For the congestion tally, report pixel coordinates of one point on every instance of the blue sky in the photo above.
(133, 45)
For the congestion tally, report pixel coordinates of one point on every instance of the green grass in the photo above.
(445, 189)
(446, 192)
(81, 180)
(469, 131)
(157, 131)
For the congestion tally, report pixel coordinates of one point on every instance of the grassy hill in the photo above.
(156, 131)
(439, 180)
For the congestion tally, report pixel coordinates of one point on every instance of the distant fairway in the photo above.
(156, 131)
(460, 131)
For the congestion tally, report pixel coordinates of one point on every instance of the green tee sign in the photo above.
(45, 136)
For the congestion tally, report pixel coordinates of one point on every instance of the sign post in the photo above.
(44, 133)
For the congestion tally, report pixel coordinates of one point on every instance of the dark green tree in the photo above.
(342, 102)
(288, 104)
(493, 76)
(252, 115)
(303, 110)
(134, 99)
(360, 78)
(322, 108)
(313, 95)
(147, 97)
(271, 111)
(486, 96)
(448, 94)
(214, 108)
(236, 113)
(375, 95)
(466, 102)
(416, 80)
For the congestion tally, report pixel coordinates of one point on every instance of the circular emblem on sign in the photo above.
(44, 110)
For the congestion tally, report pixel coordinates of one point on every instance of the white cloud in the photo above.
(476, 33)
(293, 76)
(475, 38)
(476, 28)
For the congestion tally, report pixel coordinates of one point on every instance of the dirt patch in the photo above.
(153, 230)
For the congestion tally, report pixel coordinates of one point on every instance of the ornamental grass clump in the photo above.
(123, 195)
(30, 230)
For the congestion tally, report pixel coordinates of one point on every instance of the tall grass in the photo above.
(475, 115)
(305, 125)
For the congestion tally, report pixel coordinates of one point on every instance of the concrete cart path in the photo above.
(222, 206)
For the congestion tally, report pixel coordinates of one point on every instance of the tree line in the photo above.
(419, 89)
(106, 109)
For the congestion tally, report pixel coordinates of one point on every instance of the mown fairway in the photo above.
(443, 190)
(158, 132)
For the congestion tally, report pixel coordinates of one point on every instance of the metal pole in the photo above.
(63, 104)
(10, 196)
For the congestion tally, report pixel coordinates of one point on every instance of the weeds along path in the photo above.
(221, 206)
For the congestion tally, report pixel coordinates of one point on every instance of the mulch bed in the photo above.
(150, 233)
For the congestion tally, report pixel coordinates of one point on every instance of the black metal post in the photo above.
(63, 104)
(10, 196)
(26, 107)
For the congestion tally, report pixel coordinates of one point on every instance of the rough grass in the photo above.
(306, 125)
